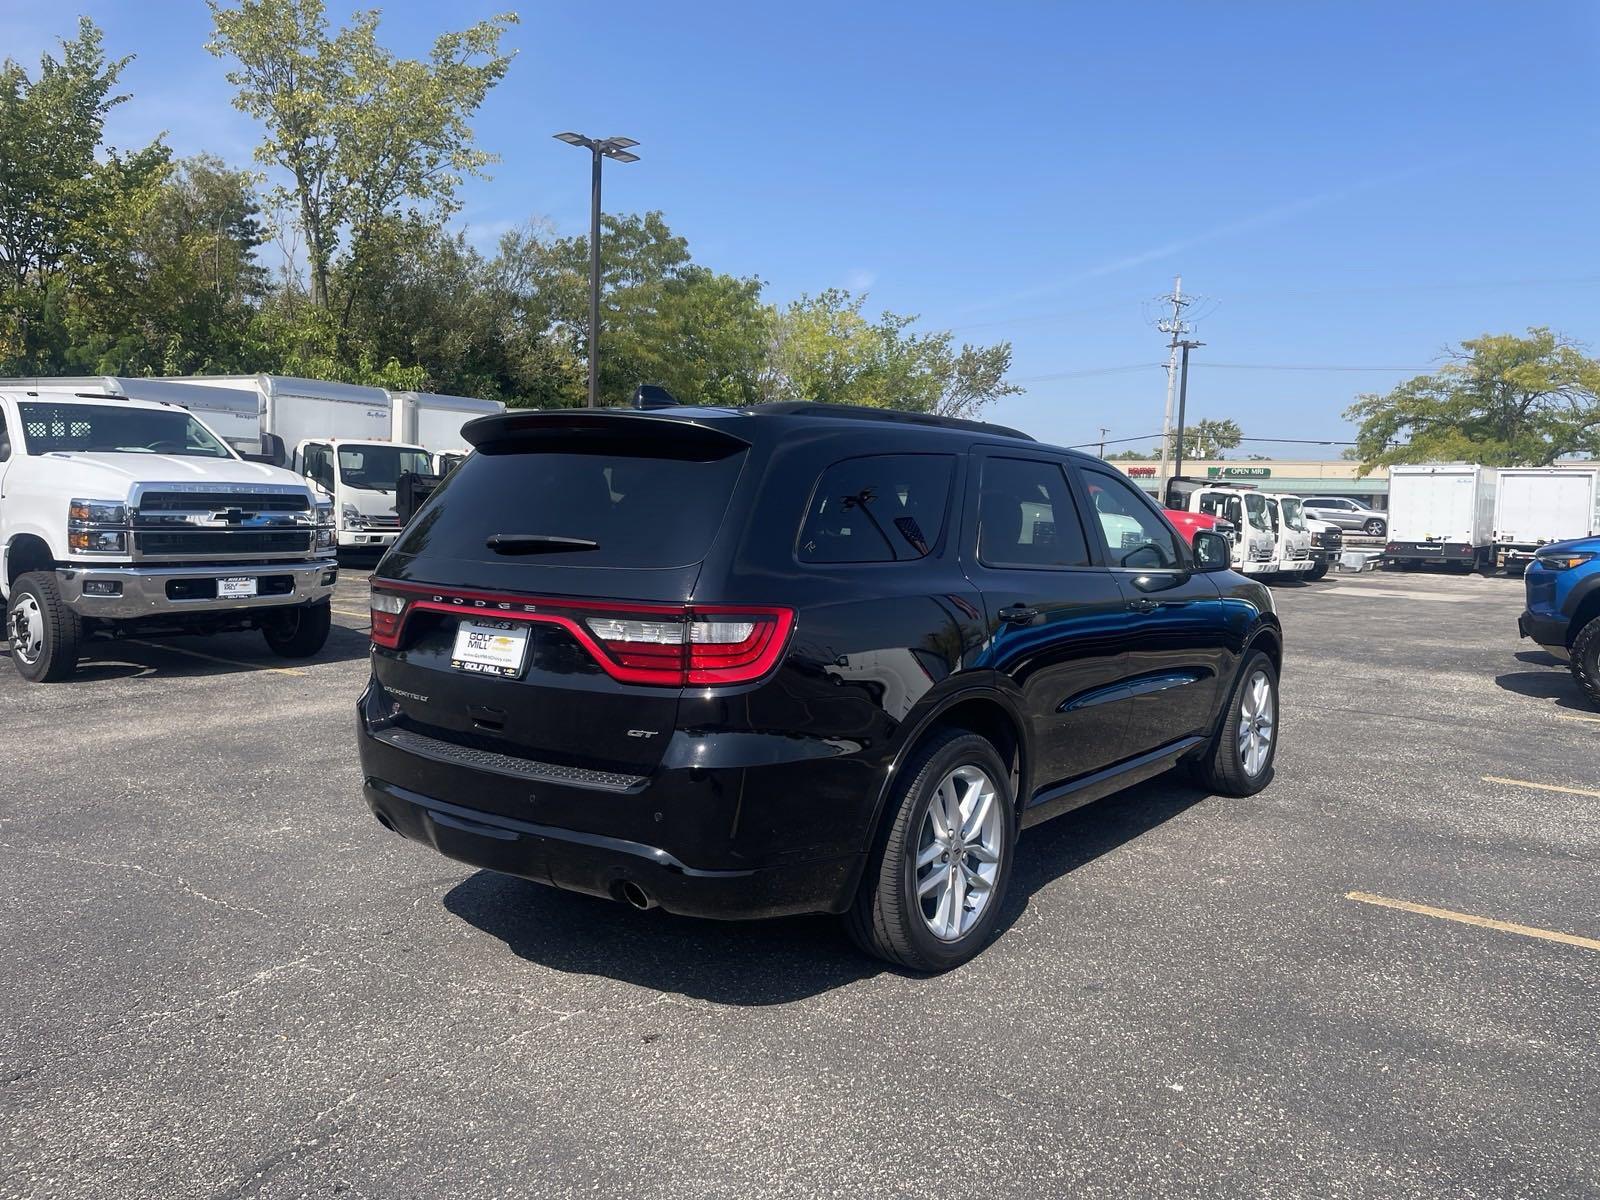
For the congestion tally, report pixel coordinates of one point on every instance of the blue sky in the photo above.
(1352, 185)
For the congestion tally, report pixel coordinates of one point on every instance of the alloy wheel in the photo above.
(27, 629)
(1257, 717)
(958, 852)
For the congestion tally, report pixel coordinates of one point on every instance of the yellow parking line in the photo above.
(230, 662)
(1549, 935)
(1542, 787)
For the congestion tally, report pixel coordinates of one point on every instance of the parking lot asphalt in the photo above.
(223, 978)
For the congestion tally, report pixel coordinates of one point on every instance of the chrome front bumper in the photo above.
(366, 539)
(144, 590)
(1262, 566)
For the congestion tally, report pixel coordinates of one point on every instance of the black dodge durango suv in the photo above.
(796, 659)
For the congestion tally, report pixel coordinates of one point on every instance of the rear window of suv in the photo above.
(879, 508)
(590, 508)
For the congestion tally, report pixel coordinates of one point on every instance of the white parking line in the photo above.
(1445, 914)
(1541, 787)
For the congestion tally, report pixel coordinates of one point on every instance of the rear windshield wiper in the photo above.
(537, 543)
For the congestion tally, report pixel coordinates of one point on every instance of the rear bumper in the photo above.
(174, 591)
(598, 865)
(588, 831)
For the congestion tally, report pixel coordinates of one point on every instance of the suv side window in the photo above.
(881, 508)
(1026, 516)
(1134, 535)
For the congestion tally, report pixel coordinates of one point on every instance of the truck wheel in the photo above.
(1238, 762)
(1318, 571)
(1586, 660)
(932, 890)
(300, 632)
(44, 632)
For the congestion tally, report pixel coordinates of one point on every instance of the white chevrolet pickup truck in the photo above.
(130, 517)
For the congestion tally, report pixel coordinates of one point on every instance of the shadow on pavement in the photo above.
(197, 657)
(1546, 685)
(1539, 658)
(760, 963)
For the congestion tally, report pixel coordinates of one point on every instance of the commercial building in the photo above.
(1296, 477)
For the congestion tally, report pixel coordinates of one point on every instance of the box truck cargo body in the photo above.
(1441, 512)
(1535, 505)
(434, 422)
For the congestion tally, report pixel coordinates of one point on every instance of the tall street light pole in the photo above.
(615, 148)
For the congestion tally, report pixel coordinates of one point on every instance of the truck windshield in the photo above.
(115, 429)
(377, 468)
(1255, 506)
(1292, 517)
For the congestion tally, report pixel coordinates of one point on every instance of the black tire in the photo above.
(61, 629)
(300, 632)
(1374, 528)
(1222, 768)
(887, 918)
(1318, 571)
(1586, 661)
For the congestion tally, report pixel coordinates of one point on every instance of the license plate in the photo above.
(490, 647)
(238, 587)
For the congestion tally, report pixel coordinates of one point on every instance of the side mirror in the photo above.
(1212, 552)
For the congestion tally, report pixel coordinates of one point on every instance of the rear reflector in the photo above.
(659, 645)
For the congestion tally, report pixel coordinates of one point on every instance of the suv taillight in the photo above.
(660, 645)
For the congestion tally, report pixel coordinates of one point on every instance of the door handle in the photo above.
(1017, 614)
(1144, 606)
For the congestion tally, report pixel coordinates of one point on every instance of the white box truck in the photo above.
(1535, 505)
(340, 436)
(434, 422)
(1441, 513)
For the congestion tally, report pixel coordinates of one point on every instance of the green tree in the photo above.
(1208, 438)
(1501, 400)
(1131, 456)
(364, 135)
(197, 282)
(826, 349)
(69, 206)
(664, 319)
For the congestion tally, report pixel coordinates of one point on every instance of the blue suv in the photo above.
(1563, 613)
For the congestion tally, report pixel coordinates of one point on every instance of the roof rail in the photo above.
(808, 408)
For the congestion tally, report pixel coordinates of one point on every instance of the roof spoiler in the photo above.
(621, 431)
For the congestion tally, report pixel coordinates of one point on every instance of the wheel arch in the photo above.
(1585, 605)
(26, 552)
(985, 711)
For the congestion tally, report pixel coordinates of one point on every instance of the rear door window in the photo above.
(591, 507)
(1026, 517)
(878, 508)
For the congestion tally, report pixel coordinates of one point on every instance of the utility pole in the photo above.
(1178, 324)
(1183, 399)
(1104, 429)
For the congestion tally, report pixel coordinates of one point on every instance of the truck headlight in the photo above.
(81, 513)
(351, 517)
(326, 538)
(325, 512)
(97, 541)
(97, 526)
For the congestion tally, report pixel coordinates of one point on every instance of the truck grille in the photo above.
(205, 542)
(248, 501)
